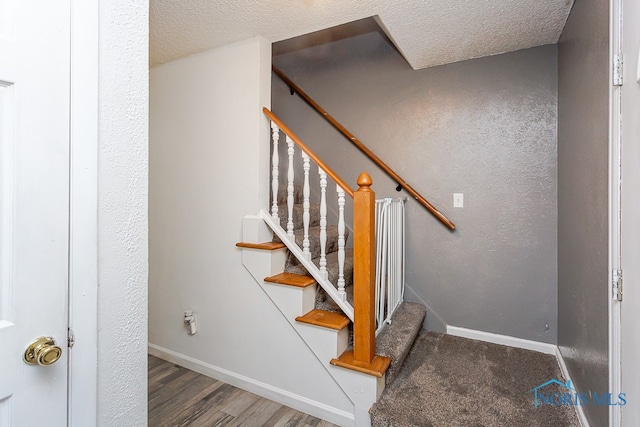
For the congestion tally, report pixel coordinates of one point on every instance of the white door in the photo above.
(630, 223)
(34, 208)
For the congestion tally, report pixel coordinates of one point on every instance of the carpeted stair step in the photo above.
(314, 243)
(283, 194)
(396, 339)
(298, 215)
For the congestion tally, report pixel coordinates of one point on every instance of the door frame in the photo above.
(83, 219)
(615, 182)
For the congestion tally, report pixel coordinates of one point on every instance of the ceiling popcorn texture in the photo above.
(426, 32)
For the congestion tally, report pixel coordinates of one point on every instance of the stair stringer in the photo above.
(361, 389)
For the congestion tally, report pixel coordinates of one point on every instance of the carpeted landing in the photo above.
(451, 381)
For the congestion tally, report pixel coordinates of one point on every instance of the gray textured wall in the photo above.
(583, 123)
(486, 128)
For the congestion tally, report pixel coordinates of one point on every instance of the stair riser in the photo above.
(326, 343)
(292, 301)
(266, 263)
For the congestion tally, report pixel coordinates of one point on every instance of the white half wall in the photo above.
(209, 167)
(122, 212)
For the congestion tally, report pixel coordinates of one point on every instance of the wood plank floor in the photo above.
(180, 397)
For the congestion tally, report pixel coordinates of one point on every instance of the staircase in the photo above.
(304, 266)
(293, 267)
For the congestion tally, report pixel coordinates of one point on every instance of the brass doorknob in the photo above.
(43, 351)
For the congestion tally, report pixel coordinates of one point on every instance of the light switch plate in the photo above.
(458, 200)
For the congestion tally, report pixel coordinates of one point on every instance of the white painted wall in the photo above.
(209, 159)
(122, 213)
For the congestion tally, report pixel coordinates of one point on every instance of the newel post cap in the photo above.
(364, 181)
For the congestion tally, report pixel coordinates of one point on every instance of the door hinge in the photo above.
(617, 70)
(616, 282)
(71, 338)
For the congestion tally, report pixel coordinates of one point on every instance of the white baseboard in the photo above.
(582, 417)
(540, 347)
(300, 403)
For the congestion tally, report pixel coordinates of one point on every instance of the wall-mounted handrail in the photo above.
(355, 141)
(310, 153)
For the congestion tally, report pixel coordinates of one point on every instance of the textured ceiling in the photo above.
(426, 32)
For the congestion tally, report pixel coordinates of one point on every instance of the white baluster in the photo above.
(306, 193)
(323, 224)
(341, 243)
(290, 188)
(274, 171)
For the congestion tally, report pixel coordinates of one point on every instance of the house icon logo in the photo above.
(537, 391)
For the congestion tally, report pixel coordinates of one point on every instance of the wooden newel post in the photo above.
(364, 202)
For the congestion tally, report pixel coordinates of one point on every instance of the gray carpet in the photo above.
(396, 339)
(450, 381)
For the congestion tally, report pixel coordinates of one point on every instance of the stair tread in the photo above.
(267, 246)
(291, 279)
(326, 319)
(377, 367)
(397, 338)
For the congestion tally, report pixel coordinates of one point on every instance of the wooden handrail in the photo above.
(310, 153)
(355, 141)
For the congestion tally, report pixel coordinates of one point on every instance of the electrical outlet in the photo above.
(190, 321)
